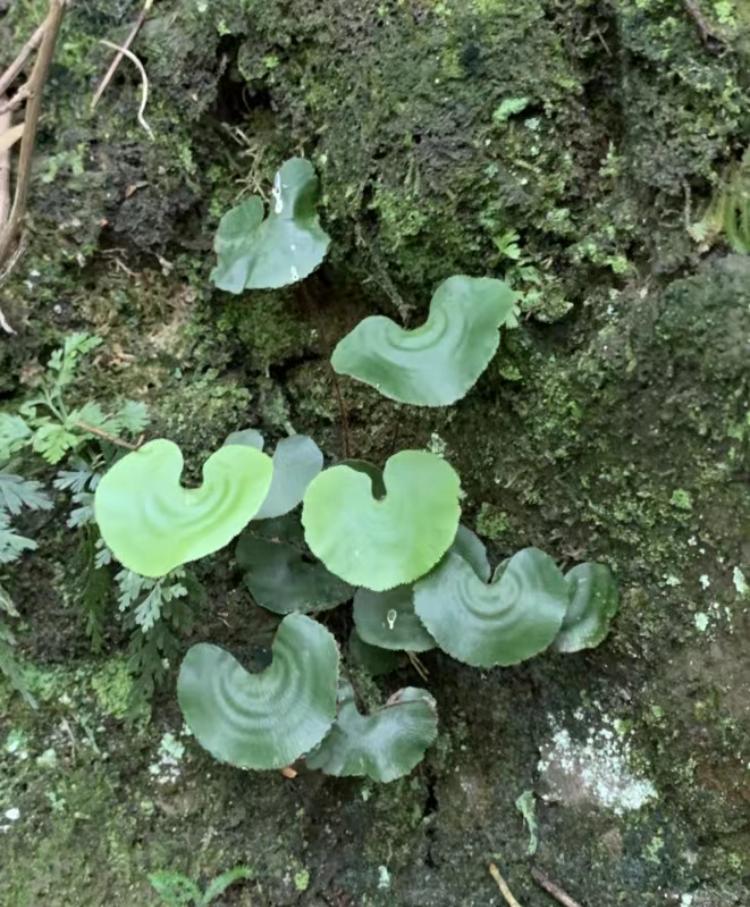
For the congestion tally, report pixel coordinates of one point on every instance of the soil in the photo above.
(613, 425)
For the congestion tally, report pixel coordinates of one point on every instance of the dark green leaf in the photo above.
(285, 247)
(439, 362)
(387, 620)
(515, 617)
(266, 720)
(594, 600)
(384, 745)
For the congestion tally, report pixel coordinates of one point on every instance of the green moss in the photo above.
(113, 686)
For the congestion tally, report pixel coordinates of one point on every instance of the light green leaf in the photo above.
(53, 440)
(296, 462)
(250, 437)
(12, 545)
(14, 435)
(374, 660)
(471, 548)
(384, 745)
(153, 524)
(132, 417)
(285, 247)
(509, 107)
(282, 579)
(515, 617)
(594, 600)
(175, 889)
(387, 620)
(266, 720)
(219, 885)
(17, 493)
(438, 363)
(383, 543)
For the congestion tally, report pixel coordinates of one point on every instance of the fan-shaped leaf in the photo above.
(285, 247)
(439, 362)
(296, 462)
(515, 617)
(282, 580)
(594, 600)
(372, 659)
(384, 543)
(266, 720)
(387, 620)
(385, 745)
(471, 548)
(153, 524)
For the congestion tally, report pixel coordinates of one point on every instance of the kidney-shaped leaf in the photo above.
(282, 580)
(513, 618)
(387, 620)
(384, 745)
(383, 543)
(286, 246)
(265, 720)
(372, 659)
(296, 462)
(594, 600)
(152, 523)
(439, 362)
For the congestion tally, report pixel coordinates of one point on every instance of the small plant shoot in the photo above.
(259, 251)
(438, 363)
(516, 616)
(594, 601)
(384, 745)
(153, 524)
(382, 543)
(265, 720)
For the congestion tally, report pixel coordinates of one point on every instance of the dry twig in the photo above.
(11, 73)
(503, 886)
(552, 889)
(106, 436)
(144, 84)
(5, 121)
(50, 31)
(121, 52)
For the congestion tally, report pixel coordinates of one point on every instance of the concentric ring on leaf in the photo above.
(513, 618)
(387, 620)
(439, 362)
(594, 600)
(384, 745)
(265, 720)
(153, 524)
(383, 543)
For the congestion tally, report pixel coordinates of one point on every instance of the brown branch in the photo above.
(503, 886)
(23, 94)
(51, 29)
(345, 446)
(11, 73)
(121, 52)
(554, 890)
(5, 121)
(101, 433)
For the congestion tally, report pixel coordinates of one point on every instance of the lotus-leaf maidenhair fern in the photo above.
(384, 745)
(594, 600)
(296, 462)
(282, 578)
(438, 363)
(257, 252)
(382, 543)
(152, 523)
(516, 616)
(387, 620)
(265, 720)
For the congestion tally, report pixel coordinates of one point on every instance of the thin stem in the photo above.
(503, 886)
(11, 73)
(144, 84)
(5, 122)
(18, 99)
(100, 433)
(345, 446)
(552, 889)
(37, 80)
